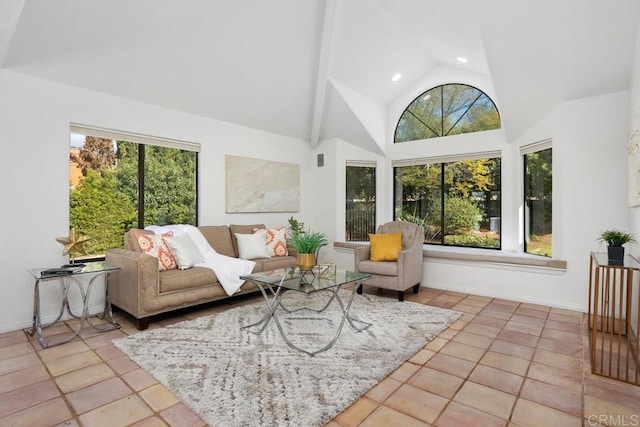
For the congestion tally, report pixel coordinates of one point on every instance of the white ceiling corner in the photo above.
(550, 52)
(369, 112)
(324, 58)
(340, 121)
(10, 11)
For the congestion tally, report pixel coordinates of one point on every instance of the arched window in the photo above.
(445, 110)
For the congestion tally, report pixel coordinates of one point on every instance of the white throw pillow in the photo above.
(252, 246)
(184, 251)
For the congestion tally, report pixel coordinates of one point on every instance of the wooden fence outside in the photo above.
(360, 222)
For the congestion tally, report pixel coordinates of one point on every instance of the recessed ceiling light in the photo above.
(396, 77)
(462, 59)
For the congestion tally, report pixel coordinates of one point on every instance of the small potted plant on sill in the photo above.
(614, 240)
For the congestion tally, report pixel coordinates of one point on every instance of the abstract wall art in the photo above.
(254, 185)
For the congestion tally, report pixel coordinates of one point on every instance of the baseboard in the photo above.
(508, 296)
(46, 319)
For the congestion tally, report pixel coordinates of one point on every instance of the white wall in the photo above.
(34, 134)
(634, 102)
(329, 209)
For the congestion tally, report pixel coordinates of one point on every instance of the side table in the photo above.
(91, 270)
(612, 316)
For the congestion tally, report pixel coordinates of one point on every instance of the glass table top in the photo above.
(294, 282)
(602, 260)
(89, 267)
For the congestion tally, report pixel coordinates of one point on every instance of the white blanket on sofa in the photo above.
(227, 269)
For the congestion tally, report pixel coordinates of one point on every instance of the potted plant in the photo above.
(305, 244)
(615, 239)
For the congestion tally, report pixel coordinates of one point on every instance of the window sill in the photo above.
(457, 254)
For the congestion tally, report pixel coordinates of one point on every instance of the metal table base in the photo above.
(274, 301)
(66, 282)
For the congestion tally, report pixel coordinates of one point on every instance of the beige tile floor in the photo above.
(503, 363)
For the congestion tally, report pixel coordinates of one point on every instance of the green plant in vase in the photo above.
(306, 244)
(295, 227)
(615, 239)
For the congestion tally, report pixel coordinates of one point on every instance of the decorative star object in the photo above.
(73, 242)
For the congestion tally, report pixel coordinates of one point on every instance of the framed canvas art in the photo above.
(254, 185)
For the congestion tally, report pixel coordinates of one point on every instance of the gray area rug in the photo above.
(231, 377)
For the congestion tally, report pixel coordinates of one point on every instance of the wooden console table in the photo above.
(614, 304)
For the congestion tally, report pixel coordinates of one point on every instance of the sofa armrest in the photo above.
(137, 279)
(410, 266)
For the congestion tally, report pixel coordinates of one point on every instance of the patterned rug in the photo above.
(231, 377)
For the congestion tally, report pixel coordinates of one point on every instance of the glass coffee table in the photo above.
(273, 285)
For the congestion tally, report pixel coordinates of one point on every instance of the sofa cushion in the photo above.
(178, 280)
(219, 237)
(241, 229)
(382, 268)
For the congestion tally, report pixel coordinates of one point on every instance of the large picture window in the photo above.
(457, 202)
(361, 201)
(117, 184)
(445, 110)
(538, 192)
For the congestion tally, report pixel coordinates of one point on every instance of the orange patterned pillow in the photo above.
(154, 245)
(276, 241)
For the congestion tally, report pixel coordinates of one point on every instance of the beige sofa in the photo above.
(141, 290)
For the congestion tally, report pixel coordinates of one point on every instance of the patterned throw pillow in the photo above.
(154, 245)
(276, 241)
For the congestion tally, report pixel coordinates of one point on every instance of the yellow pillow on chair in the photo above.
(385, 247)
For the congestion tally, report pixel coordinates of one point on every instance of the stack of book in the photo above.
(65, 269)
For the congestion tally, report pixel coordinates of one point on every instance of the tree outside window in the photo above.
(457, 203)
(538, 192)
(109, 193)
(447, 110)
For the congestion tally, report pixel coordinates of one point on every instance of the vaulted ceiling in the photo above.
(317, 69)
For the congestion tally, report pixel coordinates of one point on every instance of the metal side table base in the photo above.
(66, 282)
